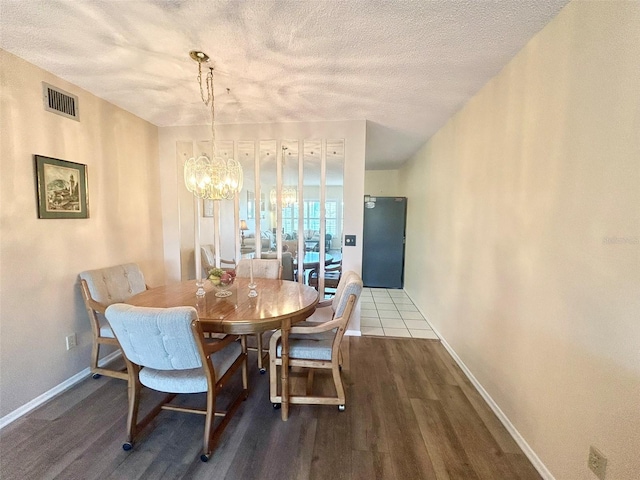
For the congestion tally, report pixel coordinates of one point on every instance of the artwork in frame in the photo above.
(61, 188)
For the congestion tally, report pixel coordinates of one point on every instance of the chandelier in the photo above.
(211, 177)
(289, 196)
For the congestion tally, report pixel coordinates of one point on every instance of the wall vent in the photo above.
(60, 102)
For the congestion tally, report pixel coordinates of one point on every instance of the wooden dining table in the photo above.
(311, 260)
(279, 304)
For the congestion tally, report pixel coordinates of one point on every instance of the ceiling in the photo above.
(404, 66)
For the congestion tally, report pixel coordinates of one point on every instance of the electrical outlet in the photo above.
(597, 462)
(72, 341)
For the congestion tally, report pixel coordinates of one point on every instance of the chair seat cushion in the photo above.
(191, 380)
(316, 346)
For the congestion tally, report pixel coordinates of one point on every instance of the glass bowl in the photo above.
(223, 289)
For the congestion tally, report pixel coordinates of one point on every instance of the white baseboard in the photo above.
(522, 443)
(353, 333)
(36, 402)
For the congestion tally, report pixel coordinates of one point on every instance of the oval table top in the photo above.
(312, 260)
(277, 300)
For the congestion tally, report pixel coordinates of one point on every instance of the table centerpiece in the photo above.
(222, 280)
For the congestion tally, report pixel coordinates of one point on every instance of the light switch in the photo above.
(350, 240)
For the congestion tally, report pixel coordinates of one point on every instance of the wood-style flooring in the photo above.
(411, 414)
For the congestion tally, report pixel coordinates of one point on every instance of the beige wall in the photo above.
(40, 299)
(524, 244)
(383, 183)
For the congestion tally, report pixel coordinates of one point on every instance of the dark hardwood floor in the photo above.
(411, 414)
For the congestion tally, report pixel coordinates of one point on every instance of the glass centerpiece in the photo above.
(222, 280)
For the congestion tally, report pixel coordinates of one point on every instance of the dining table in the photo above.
(279, 304)
(310, 261)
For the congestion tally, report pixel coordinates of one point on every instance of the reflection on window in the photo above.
(311, 217)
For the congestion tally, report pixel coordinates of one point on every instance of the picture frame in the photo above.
(61, 188)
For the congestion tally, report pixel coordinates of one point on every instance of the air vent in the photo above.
(60, 102)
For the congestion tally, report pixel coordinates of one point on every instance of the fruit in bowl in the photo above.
(222, 279)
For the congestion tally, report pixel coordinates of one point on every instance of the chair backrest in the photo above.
(290, 246)
(332, 276)
(159, 338)
(287, 266)
(287, 263)
(350, 283)
(208, 259)
(114, 284)
(262, 268)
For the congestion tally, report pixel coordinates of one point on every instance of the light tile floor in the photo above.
(391, 313)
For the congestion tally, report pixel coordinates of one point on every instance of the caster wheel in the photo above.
(341, 408)
(263, 371)
(96, 376)
(127, 446)
(277, 406)
(204, 458)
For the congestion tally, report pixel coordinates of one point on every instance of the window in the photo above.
(311, 217)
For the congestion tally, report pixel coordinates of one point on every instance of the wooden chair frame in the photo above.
(328, 282)
(338, 323)
(93, 308)
(263, 357)
(211, 433)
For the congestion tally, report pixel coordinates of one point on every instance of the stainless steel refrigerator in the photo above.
(383, 241)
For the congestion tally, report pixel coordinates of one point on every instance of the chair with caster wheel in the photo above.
(101, 288)
(166, 350)
(315, 344)
(262, 268)
(332, 274)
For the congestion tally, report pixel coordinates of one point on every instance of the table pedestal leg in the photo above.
(286, 326)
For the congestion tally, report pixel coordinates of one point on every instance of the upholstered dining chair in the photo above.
(101, 288)
(316, 344)
(262, 268)
(290, 246)
(208, 259)
(332, 275)
(287, 264)
(165, 350)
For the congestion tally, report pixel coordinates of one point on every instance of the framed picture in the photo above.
(207, 211)
(61, 188)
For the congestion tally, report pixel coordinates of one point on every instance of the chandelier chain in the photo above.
(211, 177)
(213, 114)
(209, 101)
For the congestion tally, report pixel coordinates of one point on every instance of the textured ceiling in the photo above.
(405, 66)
